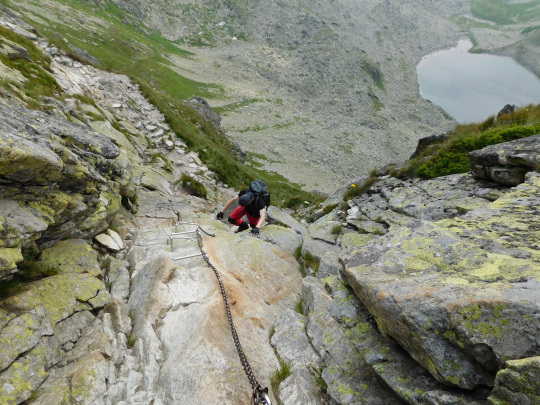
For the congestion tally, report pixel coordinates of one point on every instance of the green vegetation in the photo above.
(321, 384)
(251, 156)
(336, 230)
(125, 48)
(167, 164)
(131, 341)
(39, 82)
(355, 189)
(374, 72)
(193, 186)
(378, 105)
(295, 202)
(9, 288)
(29, 271)
(329, 208)
(139, 52)
(214, 149)
(280, 375)
(450, 155)
(299, 307)
(504, 12)
(311, 262)
(237, 105)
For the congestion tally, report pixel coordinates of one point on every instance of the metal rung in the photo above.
(182, 233)
(187, 257)
(170, 239)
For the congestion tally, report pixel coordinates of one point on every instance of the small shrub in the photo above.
(298, 253)
(487, 123)
(336, 230)
(451, 155)
(280, 375)
(293, 202)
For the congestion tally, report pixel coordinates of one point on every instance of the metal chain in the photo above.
(260, 395)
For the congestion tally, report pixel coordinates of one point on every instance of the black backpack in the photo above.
(260, 188)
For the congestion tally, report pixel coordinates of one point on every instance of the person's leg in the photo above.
(253, 221)
(236, 216)
(236, 219)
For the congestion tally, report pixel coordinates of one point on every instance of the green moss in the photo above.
(70, 256)
(420, 256)
(402, 378)
(451, 336)
(193, 186)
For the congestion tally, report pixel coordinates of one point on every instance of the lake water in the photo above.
(471, 87)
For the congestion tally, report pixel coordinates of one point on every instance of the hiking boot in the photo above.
(242, 227)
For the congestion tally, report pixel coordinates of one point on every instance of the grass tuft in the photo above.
(355, 189)
(280, 375)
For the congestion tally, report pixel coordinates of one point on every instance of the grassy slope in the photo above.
(138, 52)
(505, 13)
(451, 155)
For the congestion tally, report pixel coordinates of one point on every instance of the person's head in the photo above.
(246, 199)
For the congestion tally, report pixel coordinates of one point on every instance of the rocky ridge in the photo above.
(421, 292)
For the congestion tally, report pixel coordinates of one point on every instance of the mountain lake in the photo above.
(473, 86)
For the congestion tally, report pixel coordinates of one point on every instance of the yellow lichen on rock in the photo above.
(9, 257)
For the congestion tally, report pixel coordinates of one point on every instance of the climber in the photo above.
(252, 203)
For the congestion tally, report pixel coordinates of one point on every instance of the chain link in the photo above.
(259, 395)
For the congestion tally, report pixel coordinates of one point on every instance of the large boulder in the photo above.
(279, 217)
(70, 256)
(517, 383)
(459, 294)
(506, 163)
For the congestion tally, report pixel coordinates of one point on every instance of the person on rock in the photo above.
(252, 203)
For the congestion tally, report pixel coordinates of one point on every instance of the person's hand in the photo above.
(255, 232)
(219, 215)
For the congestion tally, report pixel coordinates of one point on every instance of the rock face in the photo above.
(508, 162)
(467, 281)
(445, 300)
(60, 179)
(419, 292)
